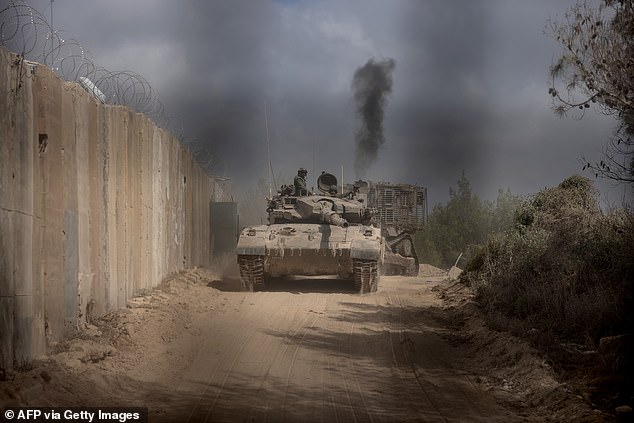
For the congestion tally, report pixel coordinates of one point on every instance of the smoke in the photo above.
(371, 85)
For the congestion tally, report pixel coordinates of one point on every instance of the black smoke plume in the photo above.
(372, 83)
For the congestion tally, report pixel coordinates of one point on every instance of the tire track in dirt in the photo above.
(292, 344)
(259, 359)
(241, 343)
(309, 351)
(404, 361)
(431, 364)
(354, 367)
(315, 356)
(337, 370)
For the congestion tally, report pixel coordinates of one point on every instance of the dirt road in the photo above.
(331, 357)
(307, 350)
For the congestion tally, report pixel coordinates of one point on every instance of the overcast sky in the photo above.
(469, 86)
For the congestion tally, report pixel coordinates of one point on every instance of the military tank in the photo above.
(401, 212)
(312, 235)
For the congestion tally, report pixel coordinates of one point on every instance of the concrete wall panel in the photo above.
(47, 94)
(70, 231)
(96, 204)
(95, 292)
(16, 209)
(8, 100)
(81, 107)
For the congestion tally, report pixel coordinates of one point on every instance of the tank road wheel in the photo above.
(366, 277)
(251, 272)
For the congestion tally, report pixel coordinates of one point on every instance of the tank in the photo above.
(312, 235)
(401, 211)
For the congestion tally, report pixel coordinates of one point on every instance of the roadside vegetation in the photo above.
(463, 223)
(553, 262)
(563, 267)
(594, 70)
(552, 268)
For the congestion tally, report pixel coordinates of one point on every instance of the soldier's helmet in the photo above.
(302, 171)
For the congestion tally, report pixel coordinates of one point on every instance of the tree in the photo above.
(597, 67)
(453, 227)
(503, 212)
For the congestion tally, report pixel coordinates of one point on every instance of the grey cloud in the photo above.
(469, 90)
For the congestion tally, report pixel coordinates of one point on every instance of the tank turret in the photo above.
(327, 207)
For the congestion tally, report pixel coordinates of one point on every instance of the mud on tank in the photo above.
(313, 235)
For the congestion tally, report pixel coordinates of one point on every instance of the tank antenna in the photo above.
(268, 148)
(341, 179)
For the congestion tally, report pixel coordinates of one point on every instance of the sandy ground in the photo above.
(306, 350)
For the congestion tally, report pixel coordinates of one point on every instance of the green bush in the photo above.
(564, 267)
(462, 224)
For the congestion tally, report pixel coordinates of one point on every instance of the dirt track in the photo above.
(314, 356)
(305, 350)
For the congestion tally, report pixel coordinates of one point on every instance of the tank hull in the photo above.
(308, 249)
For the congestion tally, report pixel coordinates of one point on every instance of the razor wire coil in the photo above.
(26, 32)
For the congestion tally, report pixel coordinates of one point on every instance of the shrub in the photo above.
(565, 267)
(462, 224)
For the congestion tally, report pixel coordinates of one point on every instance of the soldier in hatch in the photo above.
(300, 182)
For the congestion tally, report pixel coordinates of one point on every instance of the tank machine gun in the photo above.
(316, 234)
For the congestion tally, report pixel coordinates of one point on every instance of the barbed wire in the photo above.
(25, 31)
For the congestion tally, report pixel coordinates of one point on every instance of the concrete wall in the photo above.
(96, 203)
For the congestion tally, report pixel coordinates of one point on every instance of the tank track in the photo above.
(366, 275)
(251, 272)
